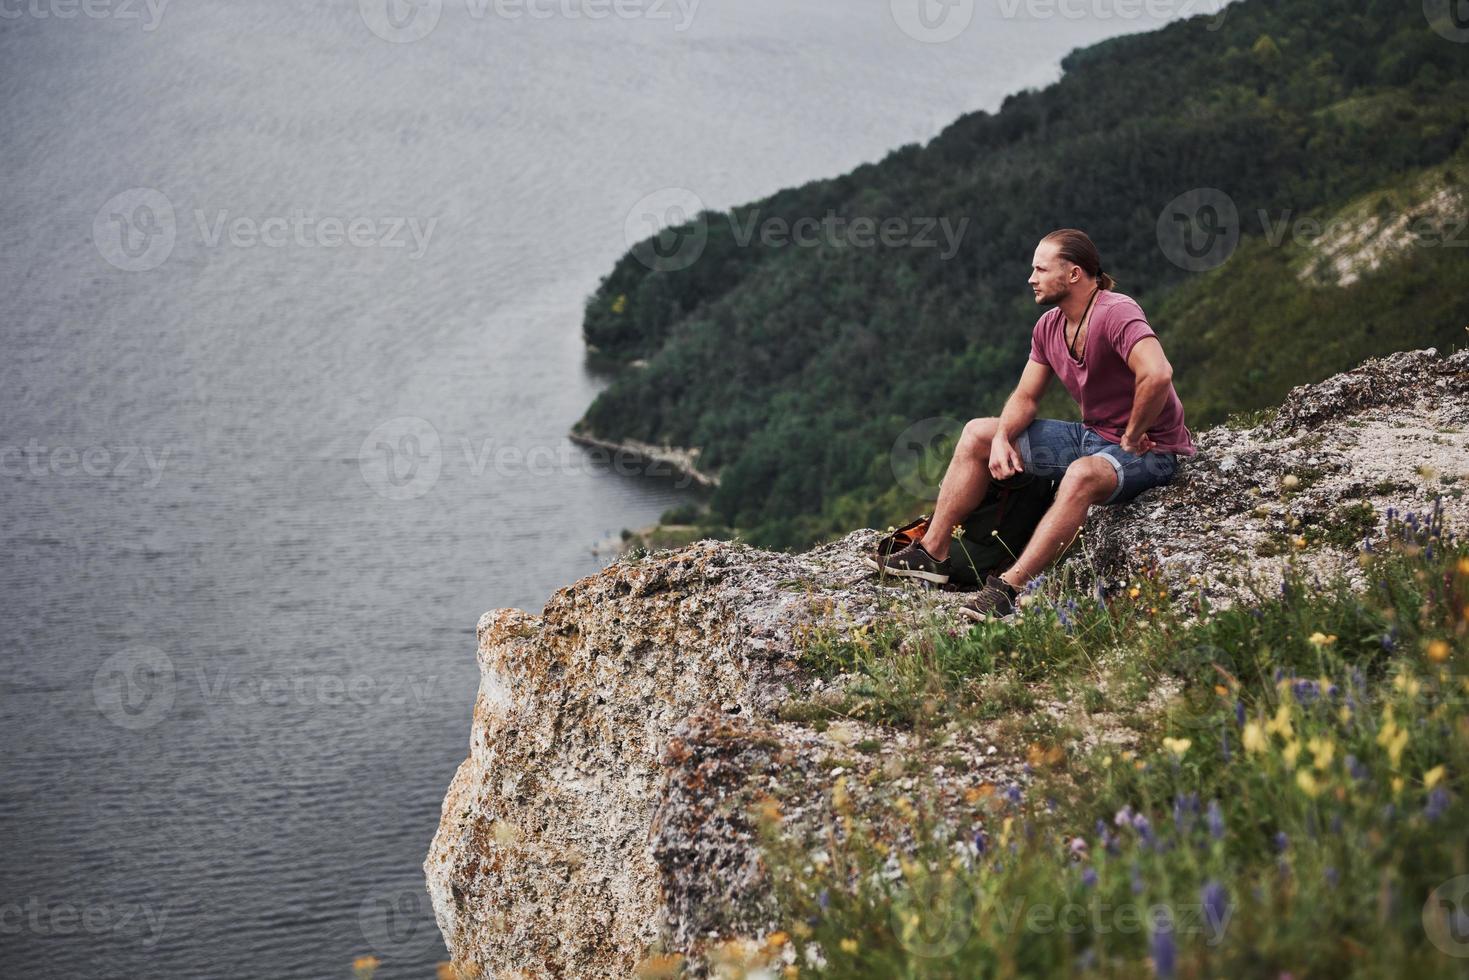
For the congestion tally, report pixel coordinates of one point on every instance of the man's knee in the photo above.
(977, 436)
(1090, 478)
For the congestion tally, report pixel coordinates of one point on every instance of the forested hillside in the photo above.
(794, 367)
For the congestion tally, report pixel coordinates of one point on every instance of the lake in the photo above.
(291, 313)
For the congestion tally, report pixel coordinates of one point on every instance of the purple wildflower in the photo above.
(1239, 713)
(1089, 877)
(1137, 880)
(1215, 899)
(1214, 818)
(1165, 953)
(1438, 802)
(1013, 794)
(1305, 691)
(1184, 809)
(1281, 841)
(1332, 877)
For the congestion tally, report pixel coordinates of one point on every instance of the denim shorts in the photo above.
(1048, 446)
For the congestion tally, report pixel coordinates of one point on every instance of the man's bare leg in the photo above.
(964, 485)
(1088, 481)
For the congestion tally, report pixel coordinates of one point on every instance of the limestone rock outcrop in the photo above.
(623, 736)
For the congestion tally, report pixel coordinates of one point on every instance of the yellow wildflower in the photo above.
(1397, 786)
(849, 945)
(1394, 738)
(1134, 592)
(1299, 540)
(1320, 639)
(1307, 783)
(1178, 746)
(1464, 566)
(1281, 724)
(365, 966)
(1433, 777)
(1323, 749)
(1407, 685)
(1254, 737)
(1290, 753)
(1345, 714)
(1438, 651)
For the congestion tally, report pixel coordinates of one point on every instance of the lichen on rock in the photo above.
(627, 740)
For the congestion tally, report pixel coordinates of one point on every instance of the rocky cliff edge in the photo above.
(626, 739)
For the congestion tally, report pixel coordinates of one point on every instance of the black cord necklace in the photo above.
(1085, 313)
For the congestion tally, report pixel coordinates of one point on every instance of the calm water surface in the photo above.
(290, 321)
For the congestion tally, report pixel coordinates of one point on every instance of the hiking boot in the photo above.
(996, 601)
(910, 562)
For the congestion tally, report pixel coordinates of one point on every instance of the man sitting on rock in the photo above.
(1112, 364)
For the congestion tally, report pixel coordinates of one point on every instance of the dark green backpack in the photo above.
(993, 534)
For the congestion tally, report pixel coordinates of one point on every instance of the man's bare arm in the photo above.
(1020, 408)
(1019, 412)
(1153, 379)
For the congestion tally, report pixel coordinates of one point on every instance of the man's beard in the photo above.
(1049, 299)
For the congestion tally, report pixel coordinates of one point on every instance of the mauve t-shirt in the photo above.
(1103, 384)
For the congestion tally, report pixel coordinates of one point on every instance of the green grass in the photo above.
(1290, 811)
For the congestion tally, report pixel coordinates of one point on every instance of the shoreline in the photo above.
(680, 461)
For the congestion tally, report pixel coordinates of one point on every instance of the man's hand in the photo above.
(1005, 462)
(1137, 445)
